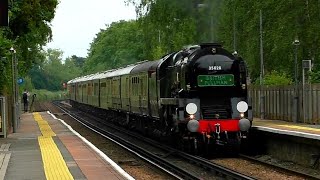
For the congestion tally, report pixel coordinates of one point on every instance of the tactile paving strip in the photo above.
(54, 165)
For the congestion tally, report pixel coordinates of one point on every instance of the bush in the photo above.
(275, 78)
(315, 77)
(45, 95)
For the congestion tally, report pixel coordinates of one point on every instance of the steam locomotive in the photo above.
(195, 96)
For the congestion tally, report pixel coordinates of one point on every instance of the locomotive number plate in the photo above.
(216, 80)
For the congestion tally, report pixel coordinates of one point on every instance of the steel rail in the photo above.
(155, 160)
(219, 170)
(287, 170)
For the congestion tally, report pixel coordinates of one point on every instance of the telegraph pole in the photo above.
(234, 28)
(261, 70)
(296, 112)
(14, 89)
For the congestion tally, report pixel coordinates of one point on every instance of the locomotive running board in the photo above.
(169, 101)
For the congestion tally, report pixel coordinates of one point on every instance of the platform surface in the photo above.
(288, 128)
(45, 148)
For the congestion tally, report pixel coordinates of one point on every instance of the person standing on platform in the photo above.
(25, 100)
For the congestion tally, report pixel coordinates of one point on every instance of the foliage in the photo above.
(275, 78)
(117, 45)
(315, 77)
(164, 26)
(52, 73)
(78, 61)
(28, 31)
(236, 24)
(168, 25)
(27, 84)
(5, 62)
(45, 95)
(29, 27)
(283, 21)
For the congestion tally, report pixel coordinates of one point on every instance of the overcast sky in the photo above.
(77, 22)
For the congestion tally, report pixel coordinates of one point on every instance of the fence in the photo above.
(3, 117)
(278, 103)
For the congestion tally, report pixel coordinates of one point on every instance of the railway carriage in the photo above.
(197, 95)
(92, 85)
(95, 92)
(78, 91)
(84, 90)
(71, 90)
(125, 88)
(90, 91)
(105, 91)
(139, 93)
(79, 94)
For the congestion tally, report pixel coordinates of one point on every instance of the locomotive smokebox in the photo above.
(244, 124)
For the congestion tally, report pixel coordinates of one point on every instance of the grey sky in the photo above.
(77, 22)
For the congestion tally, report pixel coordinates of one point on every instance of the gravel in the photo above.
(133, 165)
(142, 170)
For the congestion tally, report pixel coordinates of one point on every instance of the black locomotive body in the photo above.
(198, 94)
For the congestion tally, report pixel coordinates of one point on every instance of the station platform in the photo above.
(45, 147)
(287, 128)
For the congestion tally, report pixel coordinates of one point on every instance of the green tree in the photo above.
(117, 45)
(276, 78)
(52, 73)
(5, 63)
(169, 25)
(166, 25)
(78, 61)
(28, 31)
(72, 67)
(315, 77)
(283, 21)
(27, 84)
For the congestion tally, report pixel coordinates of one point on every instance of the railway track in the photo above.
(176, 163)
(280, 168)
(181, 159)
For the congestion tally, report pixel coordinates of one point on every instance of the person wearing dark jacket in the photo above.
(25, 100)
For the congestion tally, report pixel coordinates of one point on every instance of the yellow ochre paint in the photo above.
(300, 127)
(53, 162)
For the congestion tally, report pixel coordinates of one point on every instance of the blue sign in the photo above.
(20, 81)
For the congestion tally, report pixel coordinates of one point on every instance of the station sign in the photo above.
(306, 64)
(20, 81)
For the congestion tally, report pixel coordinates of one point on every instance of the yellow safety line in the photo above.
(54, 164)
(43, 125)
(299, 127)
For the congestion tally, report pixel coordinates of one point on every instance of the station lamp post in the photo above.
(296, 43)
(14, 89)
